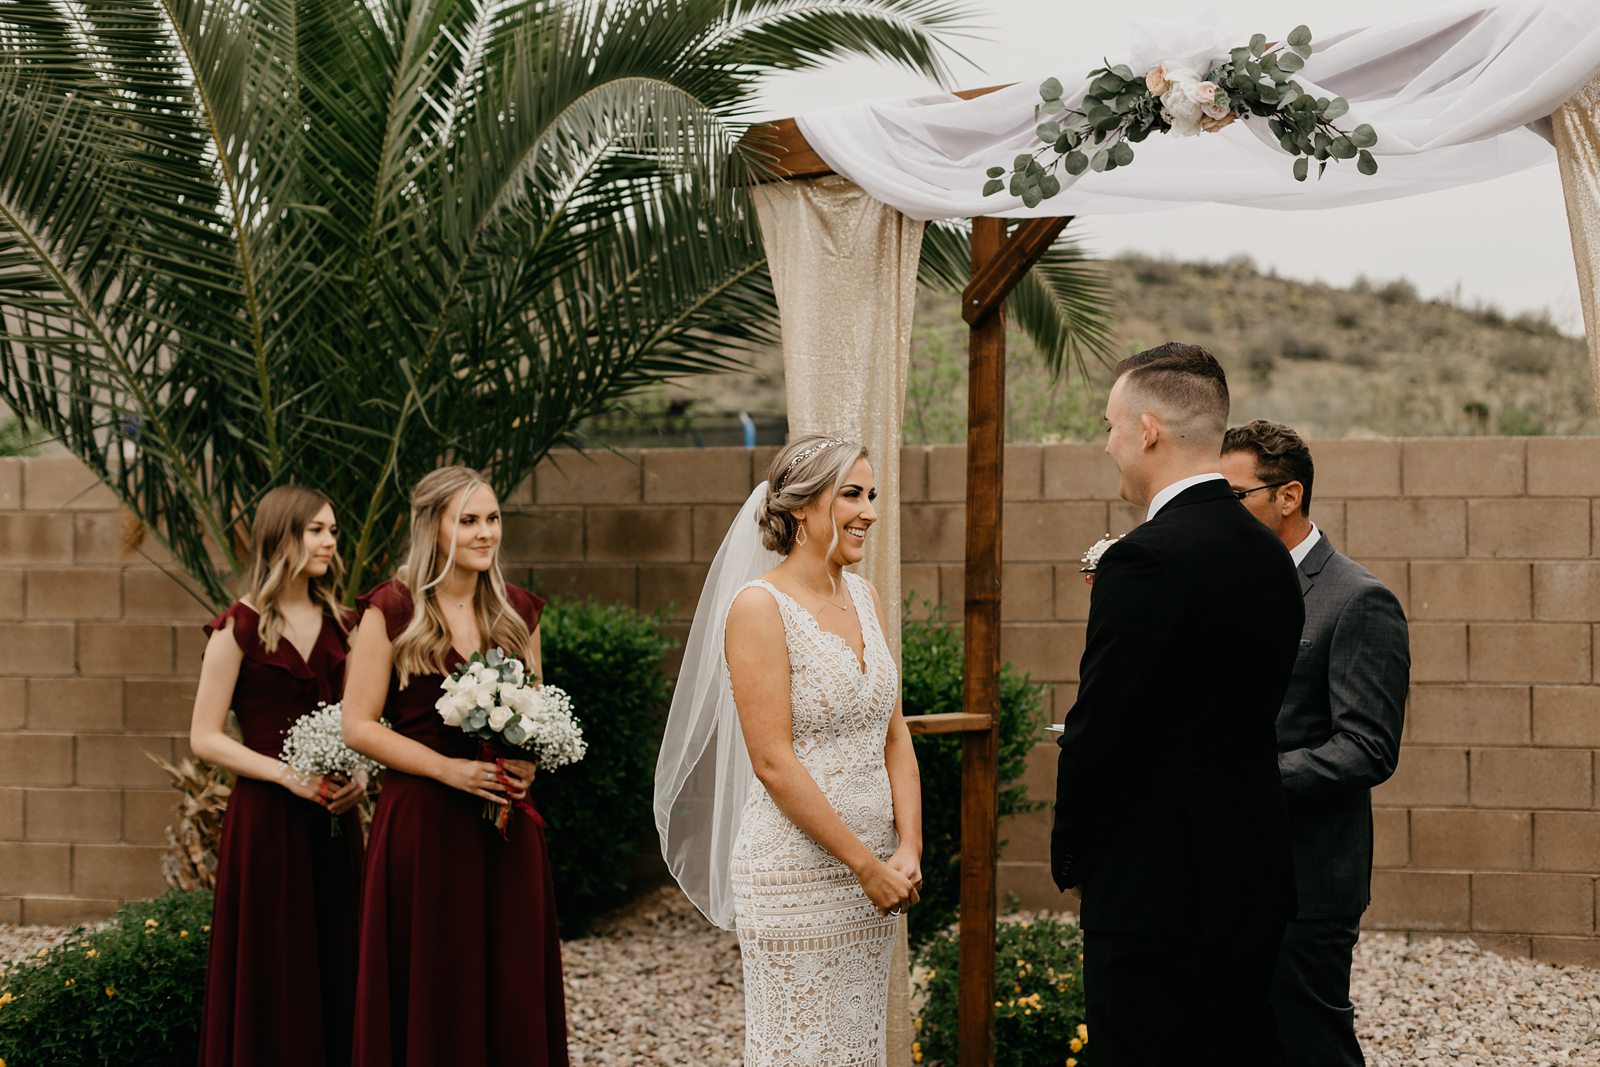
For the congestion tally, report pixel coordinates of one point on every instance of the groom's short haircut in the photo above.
(1186, 386)
(1280, 454)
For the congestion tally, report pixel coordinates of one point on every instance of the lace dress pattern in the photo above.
(816, 951)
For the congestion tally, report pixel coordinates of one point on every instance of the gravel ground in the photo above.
(657, 984)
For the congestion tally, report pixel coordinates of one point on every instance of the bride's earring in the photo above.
(800, 534)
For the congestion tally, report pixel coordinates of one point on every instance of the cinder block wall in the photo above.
(1490, 829)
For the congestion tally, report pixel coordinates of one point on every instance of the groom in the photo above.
(1170, 819)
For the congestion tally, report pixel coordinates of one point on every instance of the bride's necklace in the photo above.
(825, 600)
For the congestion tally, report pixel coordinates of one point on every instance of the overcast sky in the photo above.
(1503, 242)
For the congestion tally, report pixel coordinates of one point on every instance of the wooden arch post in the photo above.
(999, 260)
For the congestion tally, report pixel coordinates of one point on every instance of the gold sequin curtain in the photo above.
(1577, 130)
(844, 268)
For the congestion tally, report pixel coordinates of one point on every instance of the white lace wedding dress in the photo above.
(816, 951)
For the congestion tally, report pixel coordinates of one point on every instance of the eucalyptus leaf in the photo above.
(1049, 186)
(1128, 101)
(1123, 71)
(1302, 169)
(1050, 107)
(1050, 89)
(1106, 85)
(995, 172)
(1299, 37)
(1031, 196)
(1290, 61)
(1342, 148)
(992, 186)
(1122, 153)
(1048, 131)
(1065, 143)
(1239, 56)
(1364, 136)
(1258, 44)
(1337, 108)
(1101, 160)
(1366, 164)
(1075, 163)
(1020, 163)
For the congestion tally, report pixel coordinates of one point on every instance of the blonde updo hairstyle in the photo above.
(423, 647)
(803, 471)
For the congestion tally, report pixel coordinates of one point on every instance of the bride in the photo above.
(787, 795)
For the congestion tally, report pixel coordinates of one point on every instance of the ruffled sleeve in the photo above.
(528, 605)
(244, 619)
(394, 600)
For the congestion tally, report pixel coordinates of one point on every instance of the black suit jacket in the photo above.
(1169, 809)
(1339, 730)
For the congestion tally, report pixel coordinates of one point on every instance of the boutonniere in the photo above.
(1091, 558)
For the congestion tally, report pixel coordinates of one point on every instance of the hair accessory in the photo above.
(807, 453)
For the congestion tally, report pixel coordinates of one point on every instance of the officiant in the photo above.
(1338, 736)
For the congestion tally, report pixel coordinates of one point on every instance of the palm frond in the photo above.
(1063, 304)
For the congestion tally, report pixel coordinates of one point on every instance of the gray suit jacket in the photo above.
(1339, 728)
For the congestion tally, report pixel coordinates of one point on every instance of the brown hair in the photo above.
(1188, 383)
(424, 645)
(1281, 455)
(801, 472)
(278, 557)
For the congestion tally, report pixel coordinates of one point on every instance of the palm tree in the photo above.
(335, 241)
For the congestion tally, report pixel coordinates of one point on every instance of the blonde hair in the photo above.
(424, 645)
(806, 468)
(278, 557)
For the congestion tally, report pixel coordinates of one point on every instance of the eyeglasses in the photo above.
(1242, 493)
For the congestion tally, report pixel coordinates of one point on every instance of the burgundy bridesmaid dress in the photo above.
(280, 981)
(460, 956)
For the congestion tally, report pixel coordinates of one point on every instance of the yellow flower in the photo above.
(151, 923)
(110, 992)
(1016, 989)
(42, 952)
(183, 933)
(1071, 1062)
(71, 982)
(1083, 1032)
(91, 953)
(1075, 1045)
(5, 998)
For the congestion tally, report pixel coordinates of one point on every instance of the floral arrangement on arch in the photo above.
(1122, 108)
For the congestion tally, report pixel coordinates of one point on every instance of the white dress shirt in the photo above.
(1299, 552)
(1164, 497)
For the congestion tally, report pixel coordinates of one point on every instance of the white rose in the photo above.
(499, 715)
(1188, 100)
(522, 700)
(483, 695)
(450, 711)
(512, 671)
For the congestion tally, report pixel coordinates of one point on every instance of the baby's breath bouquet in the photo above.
(494, 699)
(314, 748)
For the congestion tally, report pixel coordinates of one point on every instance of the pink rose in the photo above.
(1156, 80)
(1205, 93)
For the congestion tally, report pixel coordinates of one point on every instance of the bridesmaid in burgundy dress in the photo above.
(281, 976)
(460, 956)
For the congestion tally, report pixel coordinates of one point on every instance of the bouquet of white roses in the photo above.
(314, 748)
(494, 699)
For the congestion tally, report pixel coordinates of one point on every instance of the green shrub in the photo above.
(15, 438)
(931, 684)
(1039, 1007)
(599, 811)
(129, 993)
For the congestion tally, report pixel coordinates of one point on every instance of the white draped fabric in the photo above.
(1457, 93)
